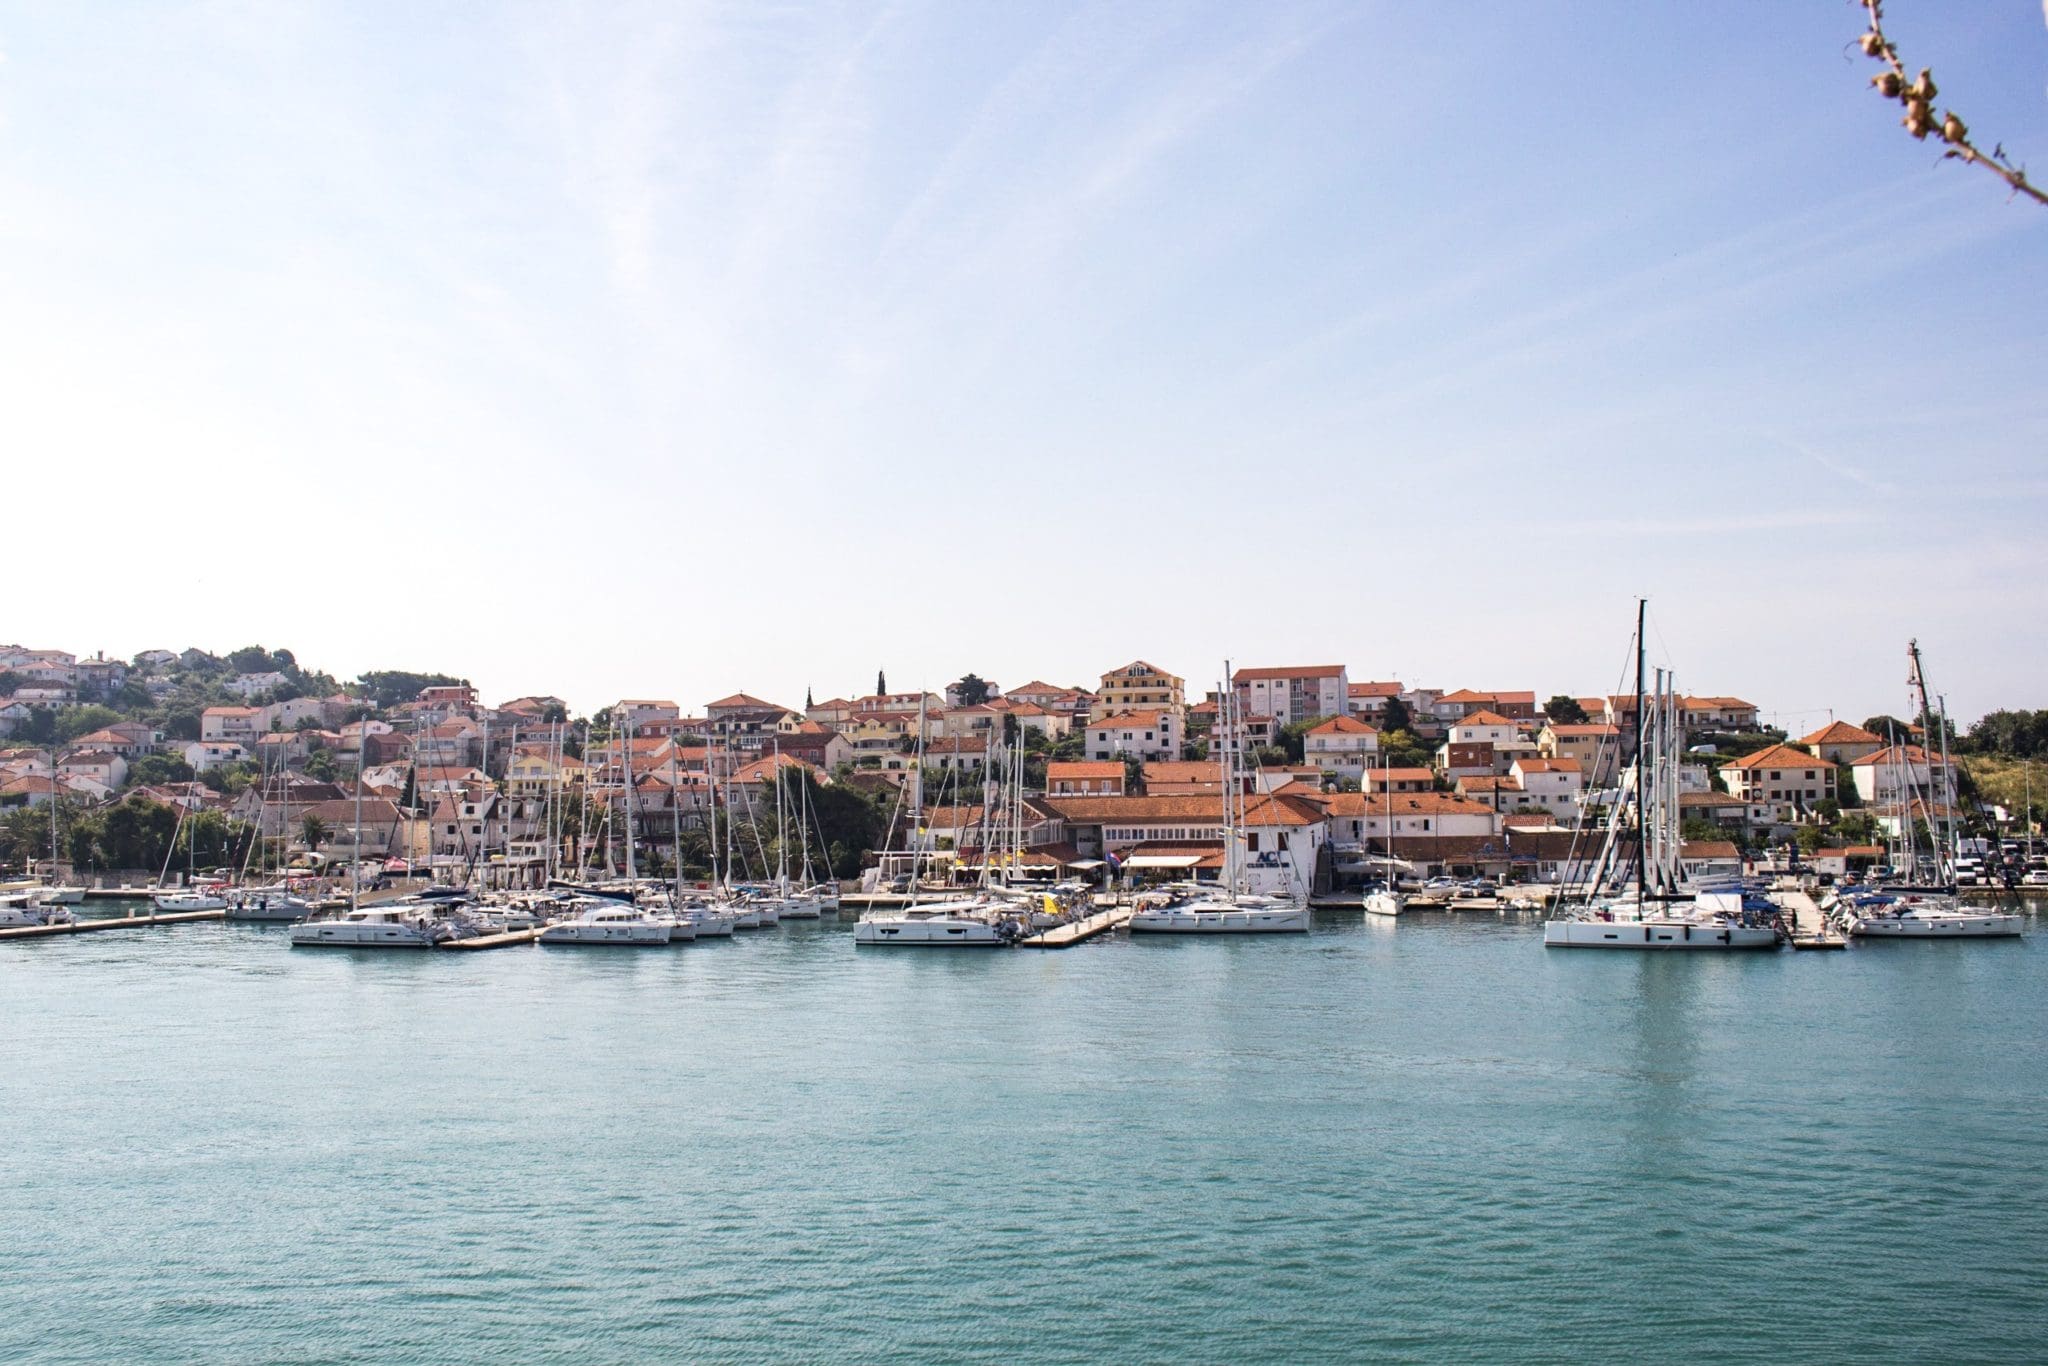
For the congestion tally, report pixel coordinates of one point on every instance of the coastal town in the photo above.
(173, 762)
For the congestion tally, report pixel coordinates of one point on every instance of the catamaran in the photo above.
(1658, 908)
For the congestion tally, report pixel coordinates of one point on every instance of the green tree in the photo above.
(1395, 716)
(72, 722)
(1563, 710)
(1811, 838)
(390, 687)
(313, 830)
(150, 770)
(971, 690)
(137, 833)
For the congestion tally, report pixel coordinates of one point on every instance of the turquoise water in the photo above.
(1390, 1142)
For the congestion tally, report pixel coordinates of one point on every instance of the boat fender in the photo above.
(1727, 936)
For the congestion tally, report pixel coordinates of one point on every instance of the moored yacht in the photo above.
(1226, 908)
(393, 925)
(21, 911)
(1657, 908)
(1910, 914)
(272, 904)
(1220, 914)
(969, 922)
(205, 897)
(610, 923)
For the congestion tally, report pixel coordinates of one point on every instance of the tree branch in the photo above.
(1917, 97)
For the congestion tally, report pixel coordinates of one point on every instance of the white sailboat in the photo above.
(1226, 909)
(965, 922)
(410, 923)
(1386, 899)
(1924, 905)
(1658, 911)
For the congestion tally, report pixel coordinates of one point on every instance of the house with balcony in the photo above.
(1787, 783)
(1341, 747)
(1143, 735)
(1291, 693)
(1086, 778)
(1838, 742)
(1136, 687)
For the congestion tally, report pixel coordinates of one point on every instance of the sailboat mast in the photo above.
(1642, 832)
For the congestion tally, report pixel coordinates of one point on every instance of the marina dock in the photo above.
(495, 941)
(123, 923)
(1076, 931)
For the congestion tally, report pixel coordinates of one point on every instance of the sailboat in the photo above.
(795, 903)
(964, 922)
(1923, 904)
(1385, 899)
(25, 904)
(1657, 909)
(409, 923)
(1226, 909)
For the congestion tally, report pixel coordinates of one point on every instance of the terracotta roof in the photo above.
(1372, 690)
(1484, 718)
(1343, 725)
(1896, 754)
(1131, 720)
(1086, 768)
(1406, 804)
(739, 700)
(1723, 849)
(1530, 763)
(1779, 756)
(1841, 733)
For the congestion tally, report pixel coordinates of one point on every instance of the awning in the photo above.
(1085, 863)
(1163, 861)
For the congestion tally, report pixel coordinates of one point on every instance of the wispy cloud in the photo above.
(1840, 468)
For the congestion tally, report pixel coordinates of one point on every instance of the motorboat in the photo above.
(59, 895)
(21, 911)
(970, 922)
(610, 923)
(392, 925)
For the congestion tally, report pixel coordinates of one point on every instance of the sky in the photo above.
(670, 350)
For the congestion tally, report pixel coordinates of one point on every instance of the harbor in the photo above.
(1440, 1086)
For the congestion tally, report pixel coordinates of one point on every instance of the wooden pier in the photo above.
(495, 941)
(122, 923)
(1075, 931)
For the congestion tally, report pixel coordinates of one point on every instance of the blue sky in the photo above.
(669, 350)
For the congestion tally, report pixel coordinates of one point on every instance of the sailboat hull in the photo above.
(1173, 920)
(1957, 925)
(1656, 935)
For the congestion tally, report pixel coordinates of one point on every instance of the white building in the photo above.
(1293, 693)
(1343, 746)
(1135, 735)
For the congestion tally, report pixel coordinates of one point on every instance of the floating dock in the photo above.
(123, 923)
(495, 941)
(1075, 931)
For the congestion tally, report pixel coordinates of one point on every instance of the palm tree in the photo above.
(314, 829)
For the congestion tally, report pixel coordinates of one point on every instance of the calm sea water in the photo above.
(1419, 1141)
